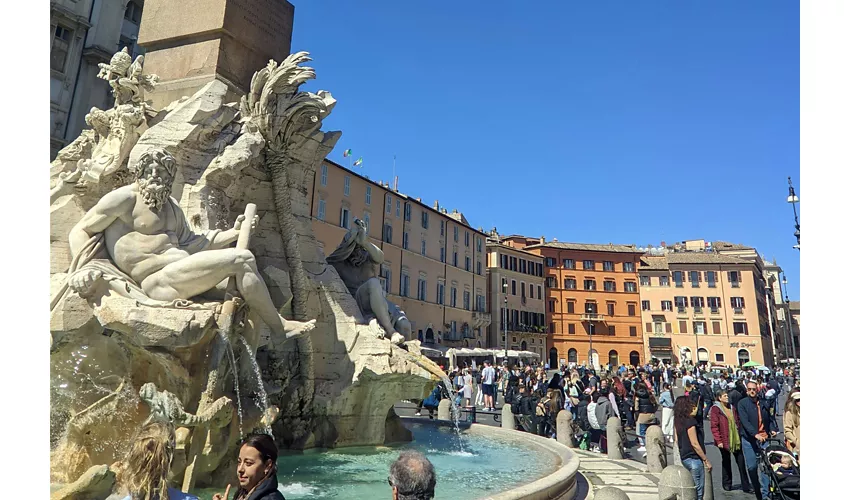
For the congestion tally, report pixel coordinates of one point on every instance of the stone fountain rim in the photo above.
(559, 484)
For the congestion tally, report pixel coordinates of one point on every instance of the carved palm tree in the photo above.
(288, 120)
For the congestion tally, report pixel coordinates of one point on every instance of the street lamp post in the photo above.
(793, 199)
(788, 322)
(505, 322)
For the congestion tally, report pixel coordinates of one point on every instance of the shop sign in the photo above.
(742, 344)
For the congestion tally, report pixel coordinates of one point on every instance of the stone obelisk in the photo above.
(191, 42)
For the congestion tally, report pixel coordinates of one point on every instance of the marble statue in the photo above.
(358, 262)
(147, 237)
(167, 406)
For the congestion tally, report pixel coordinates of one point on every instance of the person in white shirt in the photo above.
(488, 384)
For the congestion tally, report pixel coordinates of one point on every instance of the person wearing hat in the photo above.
(791, 423)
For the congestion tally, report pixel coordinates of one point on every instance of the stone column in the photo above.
(614, 433)
(508, 421)
(610, 493)
(708, 493)
(564, 428)
(444, 410)
(677, 459)
(676, 483)
(656, 451)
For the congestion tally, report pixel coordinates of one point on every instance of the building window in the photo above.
(740, 328)
(389, 203)
(590, 307)
(346, 186)
(424, 219)
(441, 292)
(404, 240)
(630, 286)
(133, 13)
(442, 255)
(531, 290)
(632, 331)
(696, 277)
(388, 233)
(610, 309)
(454, 259)
(468, 265)
(683, 327)
(407, 211)
(737, 303)
(513, 287)
(550, 262)
(590, 328)
(571, 307)
(609, 286)
(699, 327)
(466, 299)
(590, 284)
(679, 278)
(321, 214)
(387, 274)
(455, 233)
(718, 356)
(587, 265)
(607, 265)
(398, 208)
(345, 218)
(551, 306)
(571, 328)
(453, 297)
(644, 305)
(569, 264)
(697, 303)
(734, 278)
(423, 290)
(711, 279)
(715, 325)
(666, 305)
(570, 283)
(368, 195)
(478, 268)
(466, 238)
(628, 267)
(324, 180)
(631, 309)
(539, 291)
(645, 281)
(714, 304)
(612, 330)
(423, 247)
(442, 228)
(404, 285)
(681, 303)
(664, 281)
(59, 49)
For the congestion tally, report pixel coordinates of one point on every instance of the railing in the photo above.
(592, 317)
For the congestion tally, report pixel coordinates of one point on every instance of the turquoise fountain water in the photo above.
(361, 472)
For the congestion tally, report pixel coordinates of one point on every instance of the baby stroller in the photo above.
(782, 486)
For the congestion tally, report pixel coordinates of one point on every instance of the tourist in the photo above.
(646, 407)
(755, 428)
(468, 386)
(488, 385)
(656, 379)
(412, 477)
(791, 423)
(143, 474)
(256, 470)
(723, 418)
(694, 394)
(432, 402)
(691, 451)
(666, 401)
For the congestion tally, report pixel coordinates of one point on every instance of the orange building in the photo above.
(434, 261)
(592, 302)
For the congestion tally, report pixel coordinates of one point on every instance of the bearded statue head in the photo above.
(154, 174)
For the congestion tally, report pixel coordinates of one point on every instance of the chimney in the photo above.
(419, 200)
(542, 239)
(454, 210)
(437, 205)
(555, 240)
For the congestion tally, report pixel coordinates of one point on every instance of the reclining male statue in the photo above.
(147, 237)
(358, 261)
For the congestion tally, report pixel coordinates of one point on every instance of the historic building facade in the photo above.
(592, 302)
(515, 285)
(704, 306)
(85, 33)
(434, 261)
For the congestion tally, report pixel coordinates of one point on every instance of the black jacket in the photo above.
(267, 490)
(644, 399)
(748, 415)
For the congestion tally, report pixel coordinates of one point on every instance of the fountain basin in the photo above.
(492, 463)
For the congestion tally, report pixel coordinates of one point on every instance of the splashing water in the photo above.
(235, 371)
(455, 410)
(262, 399)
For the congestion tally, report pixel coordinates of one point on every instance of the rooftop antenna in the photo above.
(396, 182)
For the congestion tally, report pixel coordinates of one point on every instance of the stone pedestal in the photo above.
(676, 483)
(656, 451)
(444, 410)
(610, 493)
(564, 428)
(508, 420)
(191, 42)
(614, 434)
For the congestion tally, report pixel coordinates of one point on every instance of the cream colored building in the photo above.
(84, 33)
(434, 261)
(516, 284)
(704, 306)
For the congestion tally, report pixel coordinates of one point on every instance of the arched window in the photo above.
(572, 356)
(553, 358)
(743, 356)
(702, 355)
(523, 346)
(613, 358)
(634, 358)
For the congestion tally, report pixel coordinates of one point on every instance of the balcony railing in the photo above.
(480, 319)
(738, 310)
(523, 328)
(588, 316)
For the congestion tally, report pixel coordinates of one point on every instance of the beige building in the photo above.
(83, 34)
(704, 306)
(434, 261)
(516, 291)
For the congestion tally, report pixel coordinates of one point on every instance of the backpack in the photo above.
(591, 415)
(543, 407)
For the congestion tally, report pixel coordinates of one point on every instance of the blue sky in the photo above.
(596, 122)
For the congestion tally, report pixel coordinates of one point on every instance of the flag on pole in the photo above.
(346, 153)
(358, 162)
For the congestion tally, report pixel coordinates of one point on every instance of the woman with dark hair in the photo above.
(723, 418)
(685, 436)
(256, 469)
(645, 406)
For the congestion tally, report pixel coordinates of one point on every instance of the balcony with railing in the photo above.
(523, 328)
(592, 316)
(480, 319)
